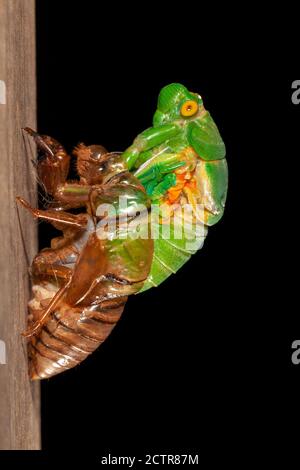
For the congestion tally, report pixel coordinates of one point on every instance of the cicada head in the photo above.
(176, 102)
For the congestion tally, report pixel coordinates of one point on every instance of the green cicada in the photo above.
(180, 161)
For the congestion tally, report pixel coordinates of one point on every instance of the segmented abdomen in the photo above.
(70, 335)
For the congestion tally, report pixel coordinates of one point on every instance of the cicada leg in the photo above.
(50, 264)
(53, 164)
(61, 220)
(53, 168)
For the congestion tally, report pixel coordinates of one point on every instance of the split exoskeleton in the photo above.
(81, 283)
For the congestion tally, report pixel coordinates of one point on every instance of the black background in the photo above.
(206, 357)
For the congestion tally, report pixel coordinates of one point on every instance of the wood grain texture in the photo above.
(19, 398)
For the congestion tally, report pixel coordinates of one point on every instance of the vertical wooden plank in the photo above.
(19, 399)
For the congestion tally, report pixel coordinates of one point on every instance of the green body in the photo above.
(180, 142)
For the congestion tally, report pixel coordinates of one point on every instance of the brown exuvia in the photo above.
(81, 283)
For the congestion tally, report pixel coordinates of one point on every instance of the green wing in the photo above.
(204, 137)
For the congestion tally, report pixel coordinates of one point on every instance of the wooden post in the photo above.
(19, 399)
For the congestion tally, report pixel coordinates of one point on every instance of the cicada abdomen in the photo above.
(82, 282)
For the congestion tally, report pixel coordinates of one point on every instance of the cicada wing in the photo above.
(173, 247)
(204, 136)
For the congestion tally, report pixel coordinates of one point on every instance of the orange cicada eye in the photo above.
(189, 108)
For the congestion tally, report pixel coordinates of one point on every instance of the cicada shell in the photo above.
(81, 283)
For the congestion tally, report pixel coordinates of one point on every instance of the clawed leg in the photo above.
(61, 220)
(49, 263)
(53, 165)
(53, 168)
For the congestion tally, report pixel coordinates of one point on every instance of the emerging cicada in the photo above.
(81, 283)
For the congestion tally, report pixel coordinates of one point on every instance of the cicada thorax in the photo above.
(84, 279)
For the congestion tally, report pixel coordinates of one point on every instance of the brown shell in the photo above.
(70, 335)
